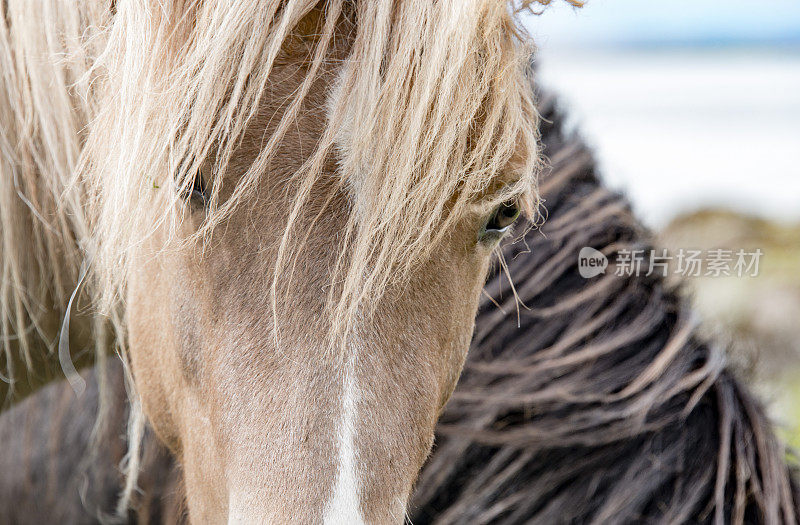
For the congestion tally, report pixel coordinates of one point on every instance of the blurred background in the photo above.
(693, 108)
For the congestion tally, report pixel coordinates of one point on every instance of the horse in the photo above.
(279, 213)
(598, 402)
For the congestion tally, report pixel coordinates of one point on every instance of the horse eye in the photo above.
(198, 193)
(502, 218)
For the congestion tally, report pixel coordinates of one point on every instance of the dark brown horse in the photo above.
(595, 403)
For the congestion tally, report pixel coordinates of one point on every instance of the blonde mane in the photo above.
(107, 114)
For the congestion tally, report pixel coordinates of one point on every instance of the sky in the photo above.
(637, 22)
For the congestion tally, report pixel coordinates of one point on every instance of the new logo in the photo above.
(591, 262)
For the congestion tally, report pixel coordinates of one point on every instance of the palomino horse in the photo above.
(598, 404)
(282, 212)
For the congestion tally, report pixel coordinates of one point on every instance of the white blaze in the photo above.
(344, 508)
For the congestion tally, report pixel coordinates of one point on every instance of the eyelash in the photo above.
(501, 220)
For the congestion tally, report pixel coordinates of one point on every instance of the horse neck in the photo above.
(60, 459)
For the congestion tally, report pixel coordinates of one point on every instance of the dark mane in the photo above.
(602, 406)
